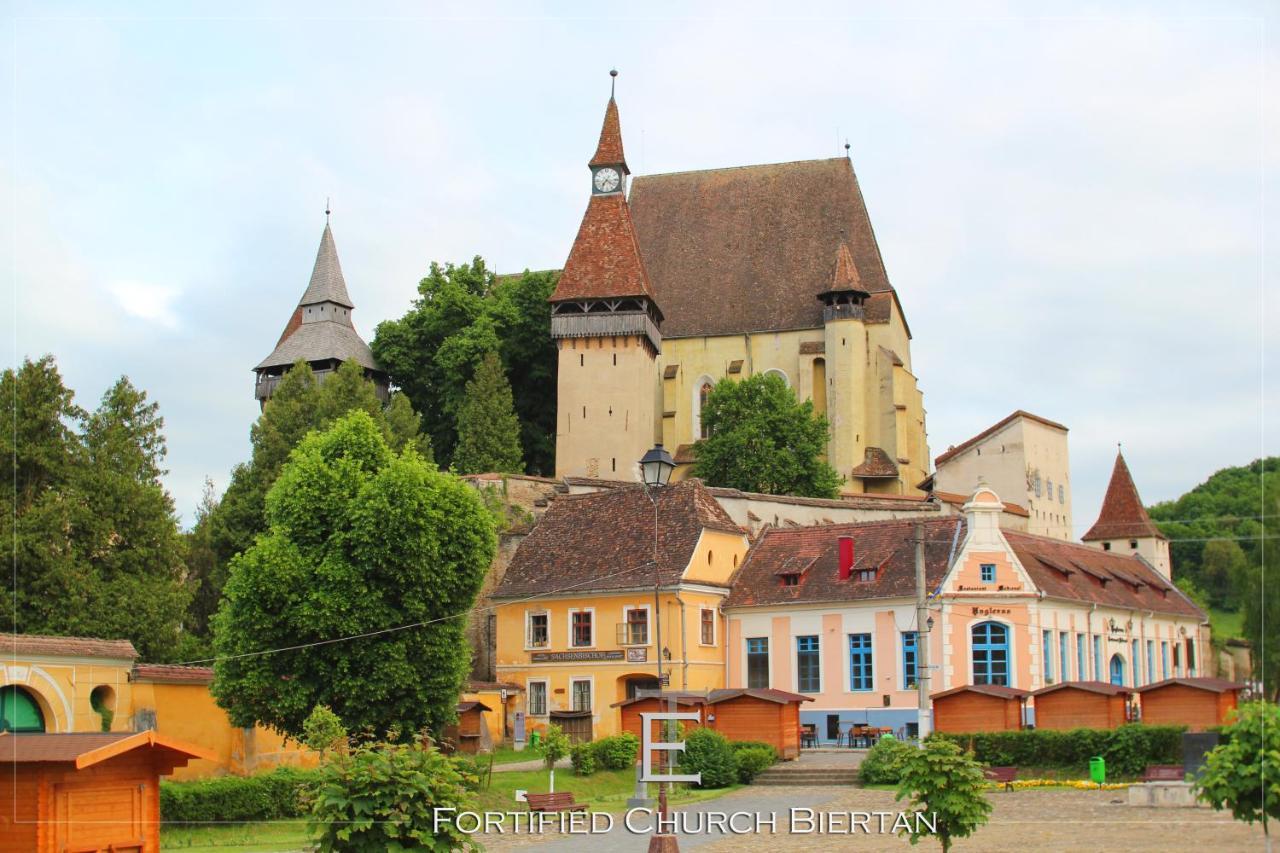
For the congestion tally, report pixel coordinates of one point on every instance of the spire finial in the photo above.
(326, 210)
(846, 148)
(613, 79)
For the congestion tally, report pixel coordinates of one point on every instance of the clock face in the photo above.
(606, 180)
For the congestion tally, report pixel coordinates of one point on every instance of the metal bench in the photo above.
(560, 801)
(1164, 773)
(1001, 775)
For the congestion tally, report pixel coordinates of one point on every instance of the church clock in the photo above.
(606, 180)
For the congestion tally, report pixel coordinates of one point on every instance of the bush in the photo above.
(1242, 774)
(751, 761)
(739, 745)
(1127, 749)
(943, 781)
(384, 796)
(708, 752)
(555, 746)
(583, 756)
(885, 762)
(282, 793)
(617, 752)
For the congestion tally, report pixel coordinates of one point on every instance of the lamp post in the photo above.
(655, 470)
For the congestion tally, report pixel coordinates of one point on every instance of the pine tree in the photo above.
(488, 429)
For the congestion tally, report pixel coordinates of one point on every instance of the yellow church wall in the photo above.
(716, 557)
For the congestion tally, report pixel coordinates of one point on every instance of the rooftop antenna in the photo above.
(613, 79)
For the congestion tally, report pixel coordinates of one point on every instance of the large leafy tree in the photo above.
(462, 313)
(761, 439)
(96, 542)
(360, 540)
(488, 430)
(1242, 774)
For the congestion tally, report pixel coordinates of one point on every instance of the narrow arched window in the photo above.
(704, 392)
(990, 644)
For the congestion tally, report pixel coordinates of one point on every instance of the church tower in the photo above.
(320, 332)
(605, 322)
(1123, 525)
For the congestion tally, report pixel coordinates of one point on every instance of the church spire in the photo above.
(846, 276)
(609, 149)
(1123, 516)
(327, 283)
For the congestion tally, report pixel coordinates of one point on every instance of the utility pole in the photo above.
(923, 630)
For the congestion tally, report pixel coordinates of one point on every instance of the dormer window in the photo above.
(791, 580)
(866, 575)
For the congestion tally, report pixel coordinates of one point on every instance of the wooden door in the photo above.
(577, 729)
(99, 816)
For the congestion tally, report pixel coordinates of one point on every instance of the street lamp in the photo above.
(656, 466)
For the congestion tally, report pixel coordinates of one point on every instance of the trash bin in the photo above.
(535, 739)
(1098, 769)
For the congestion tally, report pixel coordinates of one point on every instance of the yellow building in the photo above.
(698, 276)
(586, 615)
(80, 684)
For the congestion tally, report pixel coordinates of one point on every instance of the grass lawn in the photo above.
(507, 755)
(1226, 624)
(254, 837)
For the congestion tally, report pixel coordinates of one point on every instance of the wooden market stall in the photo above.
(763, 714)
(86, 792)
(1198, 703)
(631, 709)
(1082, 705)
(978, 708)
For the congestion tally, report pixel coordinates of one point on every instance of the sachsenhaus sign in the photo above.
(568, 657)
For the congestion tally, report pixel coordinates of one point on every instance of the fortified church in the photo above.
(697, 276)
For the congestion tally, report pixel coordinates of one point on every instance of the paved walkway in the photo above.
(535, 764)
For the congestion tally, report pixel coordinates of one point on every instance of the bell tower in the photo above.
(605, 322)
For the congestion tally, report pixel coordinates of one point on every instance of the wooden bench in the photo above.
(561, 801)
(1164, 773)
(1001, 775)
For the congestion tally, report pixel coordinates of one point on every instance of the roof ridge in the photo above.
(735, 168)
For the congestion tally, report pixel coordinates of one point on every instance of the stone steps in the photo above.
(783, 775)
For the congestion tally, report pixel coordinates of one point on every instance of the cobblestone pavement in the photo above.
(1032, 821)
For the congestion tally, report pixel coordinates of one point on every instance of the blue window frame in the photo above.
(808, 665)
(860, 662)
(1151, 661)
(1080, 670)
(990, 644)
(1047, 656)
(1191, 658)
(1164, 659)
(1097, 657)
(1117, 670)
(909, 672)
(1064, 658)
(1133, 656)
(988, 572)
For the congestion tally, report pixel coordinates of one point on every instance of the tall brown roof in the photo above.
(605, 261)
(605, 540)
(1123, 516)
(992, 430)
(1069, 570)
(882, 545)
(609, 150)
(78, 647)
(746, 249)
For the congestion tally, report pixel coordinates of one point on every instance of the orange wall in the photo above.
(1079, 709)
(1179, 705)
(975, 712)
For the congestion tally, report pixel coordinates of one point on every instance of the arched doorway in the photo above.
(630, 683)
(1117, 670)
(19, 711)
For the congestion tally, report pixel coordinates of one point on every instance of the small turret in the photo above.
(1123, 525)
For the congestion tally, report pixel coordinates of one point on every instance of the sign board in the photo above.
(665, 679)
(519, 726)
(638, 654)
(573, 657)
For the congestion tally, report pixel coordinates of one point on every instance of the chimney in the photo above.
(846, 557)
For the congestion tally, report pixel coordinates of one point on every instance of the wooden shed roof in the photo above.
(1214, 685)
(88, 749)
(1102, 687)
(997, 690)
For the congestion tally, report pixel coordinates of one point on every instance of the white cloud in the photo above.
(150, 302)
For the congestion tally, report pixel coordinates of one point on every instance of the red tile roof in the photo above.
(746, 249)
(845, 278)
(80, 647)
(165, 673)
(1075, 572)
(992, 430)
(960, 500)
(1123, 516)
(605, 261)
(1213, 685)
(609, 150)
(605, 540)
(883, 545)
(1102, 687)
(997, 690)
(876, 465)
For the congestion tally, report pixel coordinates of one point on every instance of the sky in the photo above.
(1071, 200)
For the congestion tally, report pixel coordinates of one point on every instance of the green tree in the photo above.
(948, 786)
(1243, 773)
(205, 573)
(462, 313)
(360, 540)
(760, 439)
(488, 430)
(96, 544)
(1224, 569)
(1261, 595)
(555, 746)
(322, 730)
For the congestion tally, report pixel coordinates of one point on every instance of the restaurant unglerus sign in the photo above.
(561, 657)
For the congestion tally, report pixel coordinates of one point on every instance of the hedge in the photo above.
(611, 753)
(1127, 749)
(266, 796)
